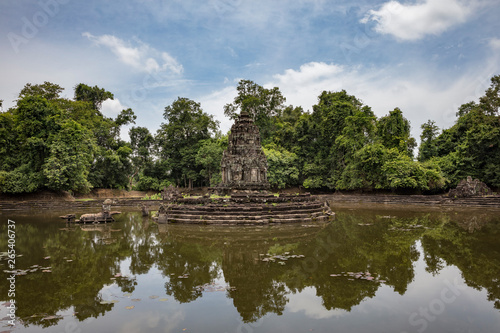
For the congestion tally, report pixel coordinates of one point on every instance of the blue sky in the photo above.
(426, 57)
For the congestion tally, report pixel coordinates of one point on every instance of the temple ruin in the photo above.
(244, 165)
(243, 196)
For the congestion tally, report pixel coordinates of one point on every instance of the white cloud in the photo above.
(495, 44)
(309, 73)
(141, 57)
(152, 320)
(415, 21)
(311, 305)
(214, 102)
(112, 107)
(416, 92)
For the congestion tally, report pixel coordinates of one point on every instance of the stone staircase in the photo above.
(246, 214)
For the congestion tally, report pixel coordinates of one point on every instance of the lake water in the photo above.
(372, 269)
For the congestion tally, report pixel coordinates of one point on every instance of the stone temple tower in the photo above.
(244, 165)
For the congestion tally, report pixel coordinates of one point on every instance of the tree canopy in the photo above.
(50, 142)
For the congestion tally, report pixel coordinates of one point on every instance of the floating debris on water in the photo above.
(408, 227)
(280, 258)
(212, 287)
(109, 302)
(52, 317)
(358, 276)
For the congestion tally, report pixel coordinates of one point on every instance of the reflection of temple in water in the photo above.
(189, 256)
(259, 287)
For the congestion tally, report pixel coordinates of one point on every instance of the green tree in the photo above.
(49, 142)
(49, 91)
(365, 170)
(209, 157)
(94, 95)
(471, 147)
(282, 168)
(261, 104)
(490, 102)
(34, 121)
(284, 128)
(376, 167)
(71, 154)
(112, 164)
(394, 132)
(141, 143)
(428, 148)
(180, 137)
(8, 141)
(404, 173)
(335, 125)
(358, 132)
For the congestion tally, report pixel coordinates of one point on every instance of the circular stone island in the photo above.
(245, 208)
(242, 197)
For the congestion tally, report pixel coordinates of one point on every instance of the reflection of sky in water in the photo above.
(307, 303)
(461, 309)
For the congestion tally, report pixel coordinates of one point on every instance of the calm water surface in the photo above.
(394, 270)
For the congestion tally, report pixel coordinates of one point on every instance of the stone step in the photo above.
(211, 217)
(253, 214)
(247, 221)
(245, 209)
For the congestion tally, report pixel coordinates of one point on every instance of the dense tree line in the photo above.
(49, 142)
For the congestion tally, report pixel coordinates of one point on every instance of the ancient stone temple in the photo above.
(243, 197)
(244, 165)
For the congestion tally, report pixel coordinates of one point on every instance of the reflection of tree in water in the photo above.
(81, 263)
(258, 289)
(262, 287)
(348, 247)
(145, 249)
(188, 267)
(476, 254)
(187, 261)
(190, 257)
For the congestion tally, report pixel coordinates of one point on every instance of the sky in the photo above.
(426, 57)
